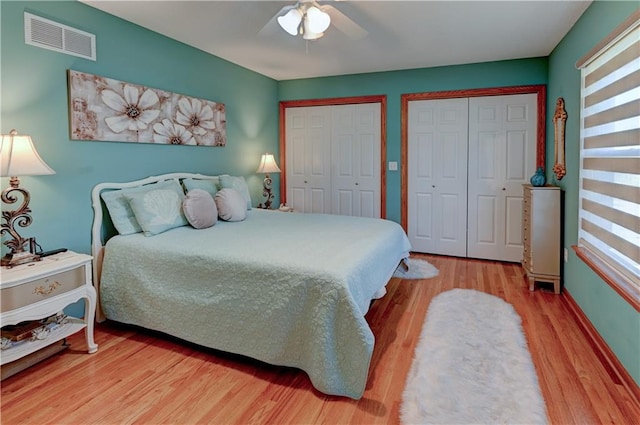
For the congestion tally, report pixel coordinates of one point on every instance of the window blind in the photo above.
(609, 215)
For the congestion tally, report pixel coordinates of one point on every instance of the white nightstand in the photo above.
(44, 288)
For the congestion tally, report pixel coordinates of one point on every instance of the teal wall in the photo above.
(393, 84)
(34, 101)
(613, 317)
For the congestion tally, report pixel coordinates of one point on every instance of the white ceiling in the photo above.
(401, 34)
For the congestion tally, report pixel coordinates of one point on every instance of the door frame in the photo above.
(381, 99)
(539, 89)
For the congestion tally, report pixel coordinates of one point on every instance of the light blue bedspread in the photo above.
(284, 288)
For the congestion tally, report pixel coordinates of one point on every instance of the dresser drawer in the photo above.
(40, 289)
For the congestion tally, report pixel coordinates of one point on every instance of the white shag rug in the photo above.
(472, 365)
(418, 269)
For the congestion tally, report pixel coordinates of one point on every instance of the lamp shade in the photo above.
(308, 34)
(318, 21)
(291, 21)
(19, 157)
(268, 164)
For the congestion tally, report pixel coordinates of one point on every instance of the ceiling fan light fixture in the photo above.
(307, 33)
(291, 21)
(316, 20)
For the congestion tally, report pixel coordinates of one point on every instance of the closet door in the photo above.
(333, 159)
(502, 156)
(355, 160)
(437, 171)
(308, 158)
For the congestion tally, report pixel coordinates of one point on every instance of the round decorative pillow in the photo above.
(200, 209)
(232, 206)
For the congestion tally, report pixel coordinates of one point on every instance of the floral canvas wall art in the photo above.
(105, 109)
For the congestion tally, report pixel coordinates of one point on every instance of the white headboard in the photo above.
(102, 229)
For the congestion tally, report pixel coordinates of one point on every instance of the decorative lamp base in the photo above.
(266, 191)
(13, 259)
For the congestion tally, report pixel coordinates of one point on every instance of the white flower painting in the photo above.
(133, 111)
(169, 133)
(104, 109)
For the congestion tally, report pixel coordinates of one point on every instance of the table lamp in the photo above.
(18, 157)
(267, 165)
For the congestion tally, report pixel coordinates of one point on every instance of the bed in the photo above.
(287, 289)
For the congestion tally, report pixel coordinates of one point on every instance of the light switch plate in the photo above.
(393, 166)
(566, 255)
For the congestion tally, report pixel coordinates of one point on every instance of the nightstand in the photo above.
(41, 289)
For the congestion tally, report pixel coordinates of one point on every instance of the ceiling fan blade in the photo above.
(272, 26)
(343, 23)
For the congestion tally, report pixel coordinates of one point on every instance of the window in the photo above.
(609, 214)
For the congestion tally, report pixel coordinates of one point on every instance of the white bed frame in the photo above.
(98, 231)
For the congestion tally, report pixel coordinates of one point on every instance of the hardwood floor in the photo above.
(141, 377)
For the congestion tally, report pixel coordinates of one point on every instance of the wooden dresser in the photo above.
(541, 227)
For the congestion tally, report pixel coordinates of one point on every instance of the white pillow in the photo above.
(158, 210)
(232, 206)
(200, 209)
(122, 216)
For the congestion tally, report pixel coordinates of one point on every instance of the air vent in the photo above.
(51, 35)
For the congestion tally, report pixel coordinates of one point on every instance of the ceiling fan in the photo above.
(310, 20)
